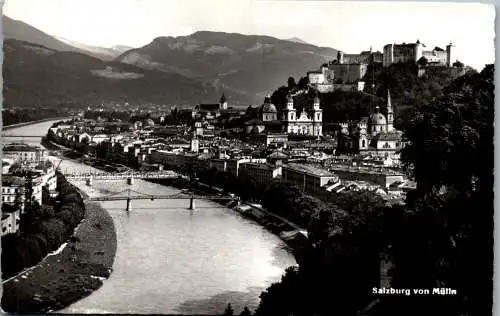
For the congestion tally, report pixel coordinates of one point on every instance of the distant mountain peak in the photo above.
(246, 65)
(296, 40)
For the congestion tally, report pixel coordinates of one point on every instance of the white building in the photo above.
(25, 153)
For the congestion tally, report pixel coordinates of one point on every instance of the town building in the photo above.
(382, 177)
(209, 110)
(262, 173)
(308, 178)
(24, 153)
(234, 165)
(11, 217)
(338, 77)
(14, 188)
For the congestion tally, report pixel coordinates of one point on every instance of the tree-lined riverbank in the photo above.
(69, 275)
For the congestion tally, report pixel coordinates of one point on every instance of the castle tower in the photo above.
(317, 117)
(419, 50)
(223, 102)
(450, 59)
(390, 113)
(340, 57)
(388, 56)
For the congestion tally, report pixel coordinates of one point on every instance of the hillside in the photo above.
(37, 75)
(105, 53)
(18, 30)
(297, 40)
(248, 64)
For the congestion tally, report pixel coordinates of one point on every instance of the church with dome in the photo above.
(266, 118)
(373, 135)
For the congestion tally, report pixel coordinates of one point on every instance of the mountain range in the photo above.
(15, 29)
(43, 69)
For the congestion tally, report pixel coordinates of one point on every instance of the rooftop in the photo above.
(9, 181)
(308, 169)
(20, 147)
(257, 165)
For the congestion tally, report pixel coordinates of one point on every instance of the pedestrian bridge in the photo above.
(130, 176)
(134, 195)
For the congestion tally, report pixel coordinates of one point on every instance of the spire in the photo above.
(222, 98)
(390, 114)
(267, 99)
(389, 105)
(289, 101)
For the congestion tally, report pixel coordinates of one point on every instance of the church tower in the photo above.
(317, 118)
(223, 102)
(195, 143)
(290, 114)
(390, 114)
(290, 110)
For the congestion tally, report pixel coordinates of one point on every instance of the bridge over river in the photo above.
(144, 196)
(129, 176)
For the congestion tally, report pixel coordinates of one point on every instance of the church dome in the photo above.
(268, 108)
(378, 118)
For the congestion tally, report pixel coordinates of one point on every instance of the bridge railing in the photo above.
(120, 174)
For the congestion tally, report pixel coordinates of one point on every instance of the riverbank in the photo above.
(7, 127)
(295, 240)
(67, 276)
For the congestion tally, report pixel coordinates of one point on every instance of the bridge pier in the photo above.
(129, 205)
(130, 181)
(191, 204)
(89, 181)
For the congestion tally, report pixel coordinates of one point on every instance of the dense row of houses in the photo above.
(299, 163)
(24, 168)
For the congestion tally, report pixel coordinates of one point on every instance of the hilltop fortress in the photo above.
(347, 70)
(413, 52)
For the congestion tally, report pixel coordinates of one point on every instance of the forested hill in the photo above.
(408, 90)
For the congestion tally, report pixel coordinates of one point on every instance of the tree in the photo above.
(423, 61)
(229, 310)
(246, 312)
(291, 83)
(303, 82)
(451, 154)
(458, 64)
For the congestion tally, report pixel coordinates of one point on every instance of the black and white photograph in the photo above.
(249, 157)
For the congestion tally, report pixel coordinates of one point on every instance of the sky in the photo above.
(349, 26)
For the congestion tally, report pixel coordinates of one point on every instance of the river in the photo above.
(174, 261)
